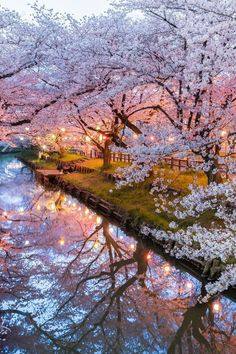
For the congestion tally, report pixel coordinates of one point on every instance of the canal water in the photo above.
(72, 282)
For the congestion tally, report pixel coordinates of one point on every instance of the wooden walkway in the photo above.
(49, 172)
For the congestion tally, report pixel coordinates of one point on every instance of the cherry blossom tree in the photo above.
(185, 49)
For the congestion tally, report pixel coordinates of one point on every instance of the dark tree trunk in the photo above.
(214, 174)
(106, 155)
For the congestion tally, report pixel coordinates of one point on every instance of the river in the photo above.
(72, 282)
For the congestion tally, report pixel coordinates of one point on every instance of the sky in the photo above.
(79, 8)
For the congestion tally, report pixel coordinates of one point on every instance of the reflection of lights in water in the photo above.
(189, 285)
(96, 244)
(167, 268)
(98, 220)
(216, 307)
(26, 242)
(132, 246)
(14, 165)
(62, 241)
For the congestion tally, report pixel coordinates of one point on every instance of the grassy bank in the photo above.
(49, 164)
(136, 200)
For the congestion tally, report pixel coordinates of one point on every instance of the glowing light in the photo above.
(149, 256)
(38, 138)
(167, 268)
(152, 138)
(87, 139)
(27, 129)
(98, 220)
(44, 147)
(189, 285)
(38, 207)
(111, 229)
(223, 132)
(171, 139)
(86, 212)
(53, 136)
(96, 244)
(21, 138)
(135, 136)
(4, 213)
(216, 307)
(132, 246)
(21, 209)
(26, 242)
(62, 241)
(90, 216)
(74, 205)
(51, 206)
(100, 137)
(63, 130)
(79, 208)
(97, 127)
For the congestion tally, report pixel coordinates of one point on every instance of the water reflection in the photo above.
(73, 283)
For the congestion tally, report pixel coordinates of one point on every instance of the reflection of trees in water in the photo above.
(118, 302)
(95, 292)
(197, 322)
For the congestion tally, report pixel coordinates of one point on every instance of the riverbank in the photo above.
(98, 193)
(68, 255)
(135, 200)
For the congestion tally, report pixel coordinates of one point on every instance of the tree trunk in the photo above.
(213, 176)
(106, 155)
(61, 149)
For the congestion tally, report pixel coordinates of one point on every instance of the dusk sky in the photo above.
(79, 8)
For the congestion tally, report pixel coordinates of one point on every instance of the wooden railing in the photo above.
(173, 162)
(120, 157)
